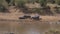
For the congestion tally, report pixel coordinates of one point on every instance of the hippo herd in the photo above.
(35, 17)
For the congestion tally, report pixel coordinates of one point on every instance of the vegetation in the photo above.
(58, 2)
(53, 32)
(20, 4)
(43, 2)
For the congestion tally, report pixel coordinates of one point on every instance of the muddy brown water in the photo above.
(26, 26)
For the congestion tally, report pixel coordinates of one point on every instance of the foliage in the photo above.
(43, 3)
(51, 1)
(53, 32)
(20, 3)
(58, 2)
(31, 1)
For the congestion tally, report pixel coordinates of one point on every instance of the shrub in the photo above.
(51, 1)
(53, 32)
(43, 3)
(21, 4)
(31, 1)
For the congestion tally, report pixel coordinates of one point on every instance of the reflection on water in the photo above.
(32, 31)
(28, 28)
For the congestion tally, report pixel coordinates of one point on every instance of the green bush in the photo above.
(32, 1)
(51, 1)
(43, 2)
(21, 4)
(53, 32)
(37, 10)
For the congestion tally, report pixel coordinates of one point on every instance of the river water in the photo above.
(26, 27)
